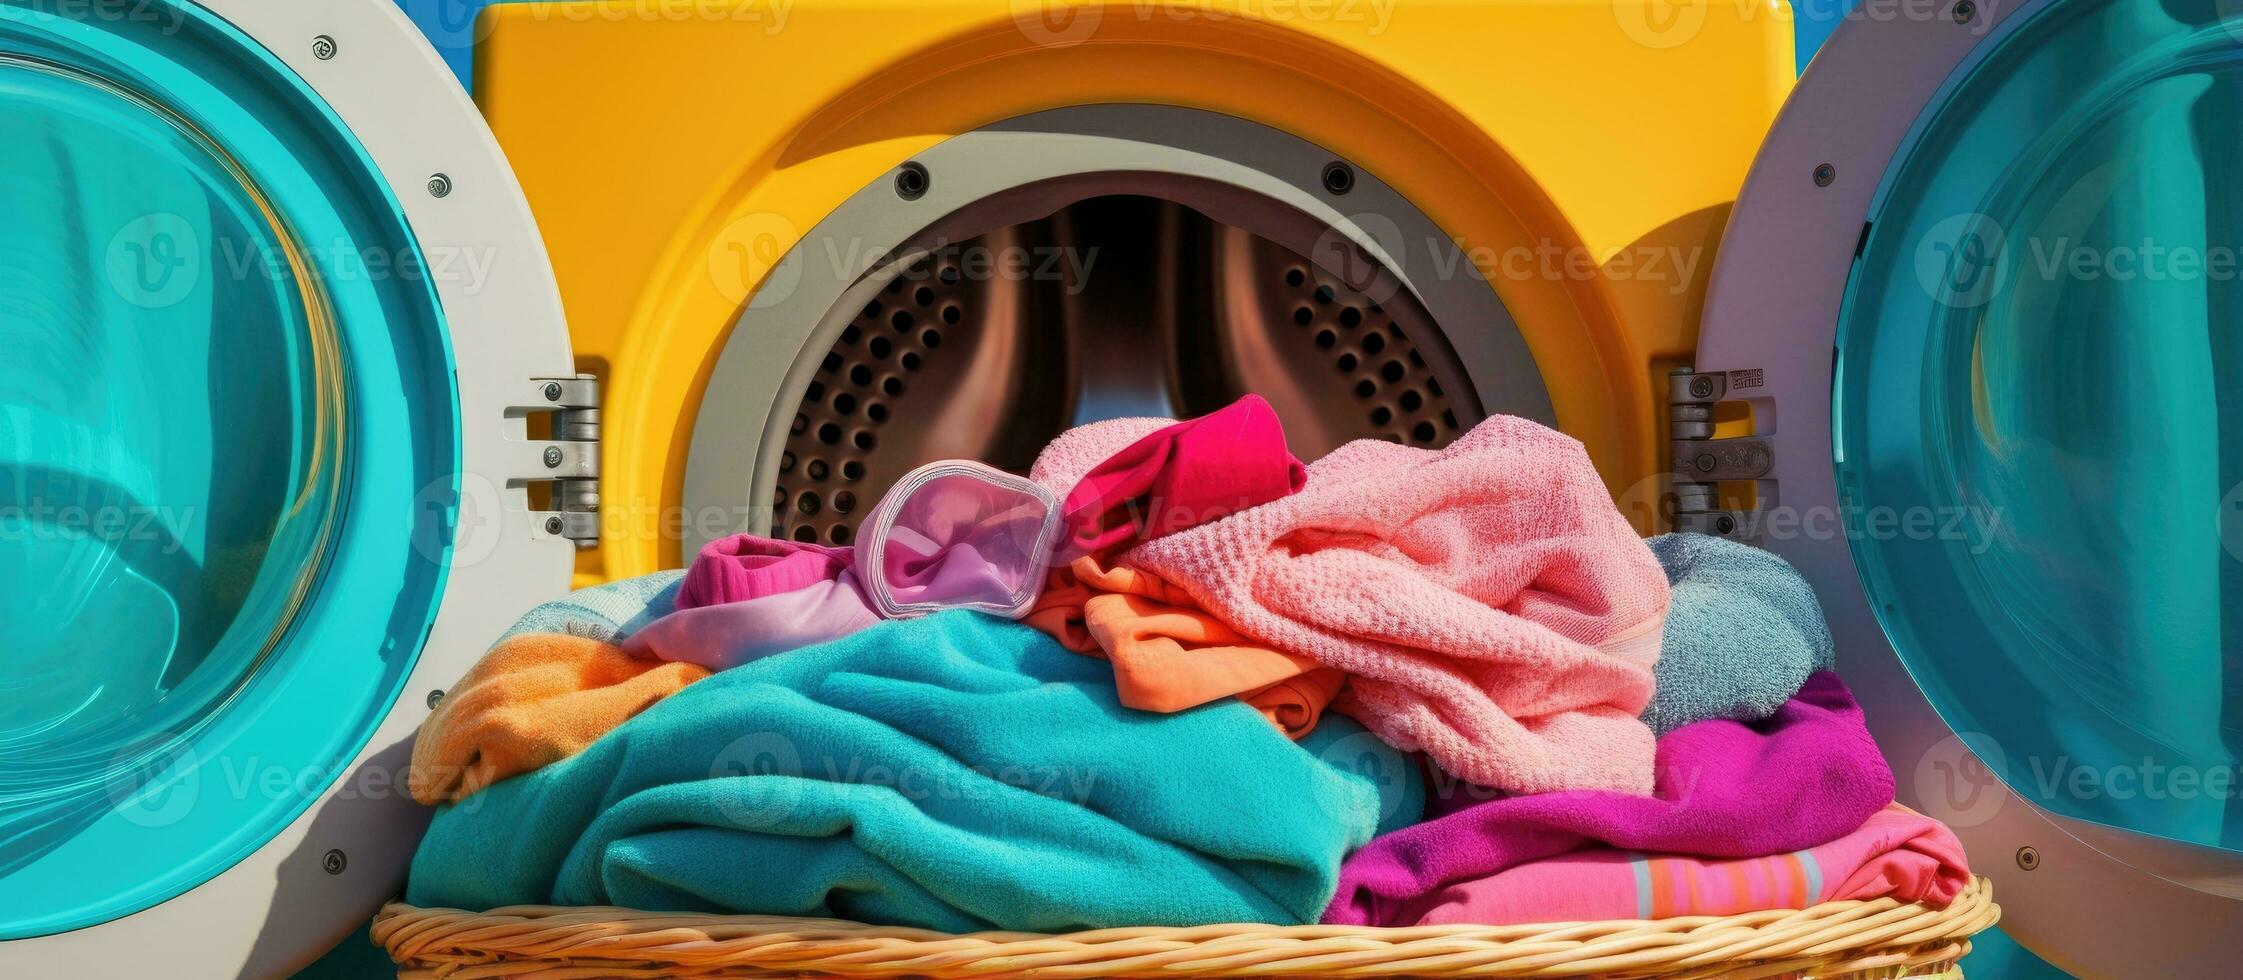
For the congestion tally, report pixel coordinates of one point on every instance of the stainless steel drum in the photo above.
(1082, 264)
(1112, 306)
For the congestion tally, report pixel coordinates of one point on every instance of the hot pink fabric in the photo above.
(1493, 606)
(1898, 854)
(1805, 776)
(1067, 459)
(746, 566)
(725, 636)
(1180, 476)
(747, 597)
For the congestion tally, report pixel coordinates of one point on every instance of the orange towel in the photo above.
(1169, 654)
(533, 700)
(1059, 609)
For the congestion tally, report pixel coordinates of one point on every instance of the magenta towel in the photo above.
(1493, 607)
(747, 597)
(746, 566)
(725, 636)
(1801, 777)
(1898, 854)
(1181, 476)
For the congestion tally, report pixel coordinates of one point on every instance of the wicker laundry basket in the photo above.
(1874, 939)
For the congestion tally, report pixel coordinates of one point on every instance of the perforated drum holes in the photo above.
(825, 469)
(949, 361)
(1379, 368)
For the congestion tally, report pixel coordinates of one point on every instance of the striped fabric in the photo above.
(1897, 853)
(1668, 886)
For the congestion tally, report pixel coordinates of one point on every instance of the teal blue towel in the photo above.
(1742, 634)
(956, 772)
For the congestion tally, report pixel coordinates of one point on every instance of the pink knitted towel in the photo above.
(1493, 606)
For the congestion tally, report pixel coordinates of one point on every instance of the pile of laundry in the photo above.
(1175, 677)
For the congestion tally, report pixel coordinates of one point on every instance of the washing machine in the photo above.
(295, 426)
(1971, 284)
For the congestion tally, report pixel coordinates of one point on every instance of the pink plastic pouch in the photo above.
(957, 534)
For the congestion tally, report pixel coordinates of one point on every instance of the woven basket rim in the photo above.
(1876, 937)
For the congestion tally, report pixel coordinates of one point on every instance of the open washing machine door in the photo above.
(274, 312)
(1980, 295)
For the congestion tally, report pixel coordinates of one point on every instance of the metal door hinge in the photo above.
(569, 462)
(1702, 462)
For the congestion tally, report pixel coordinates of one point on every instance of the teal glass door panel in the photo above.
(227, 440)
(173, 437)
(2039, 438)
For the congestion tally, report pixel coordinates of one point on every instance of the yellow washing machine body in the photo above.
(1578, 160)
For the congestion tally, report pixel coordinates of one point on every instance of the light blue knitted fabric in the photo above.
(1742, 634)
(955, 772)
(608, 612)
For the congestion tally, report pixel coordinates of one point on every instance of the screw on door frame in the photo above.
(1339, 178)
(323, 48)
(440, 185)
(913, 180)
(335, 861)
(2028, 858)
(435, 698)
(1964, 11)
(1825, 175)
(553, 525)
